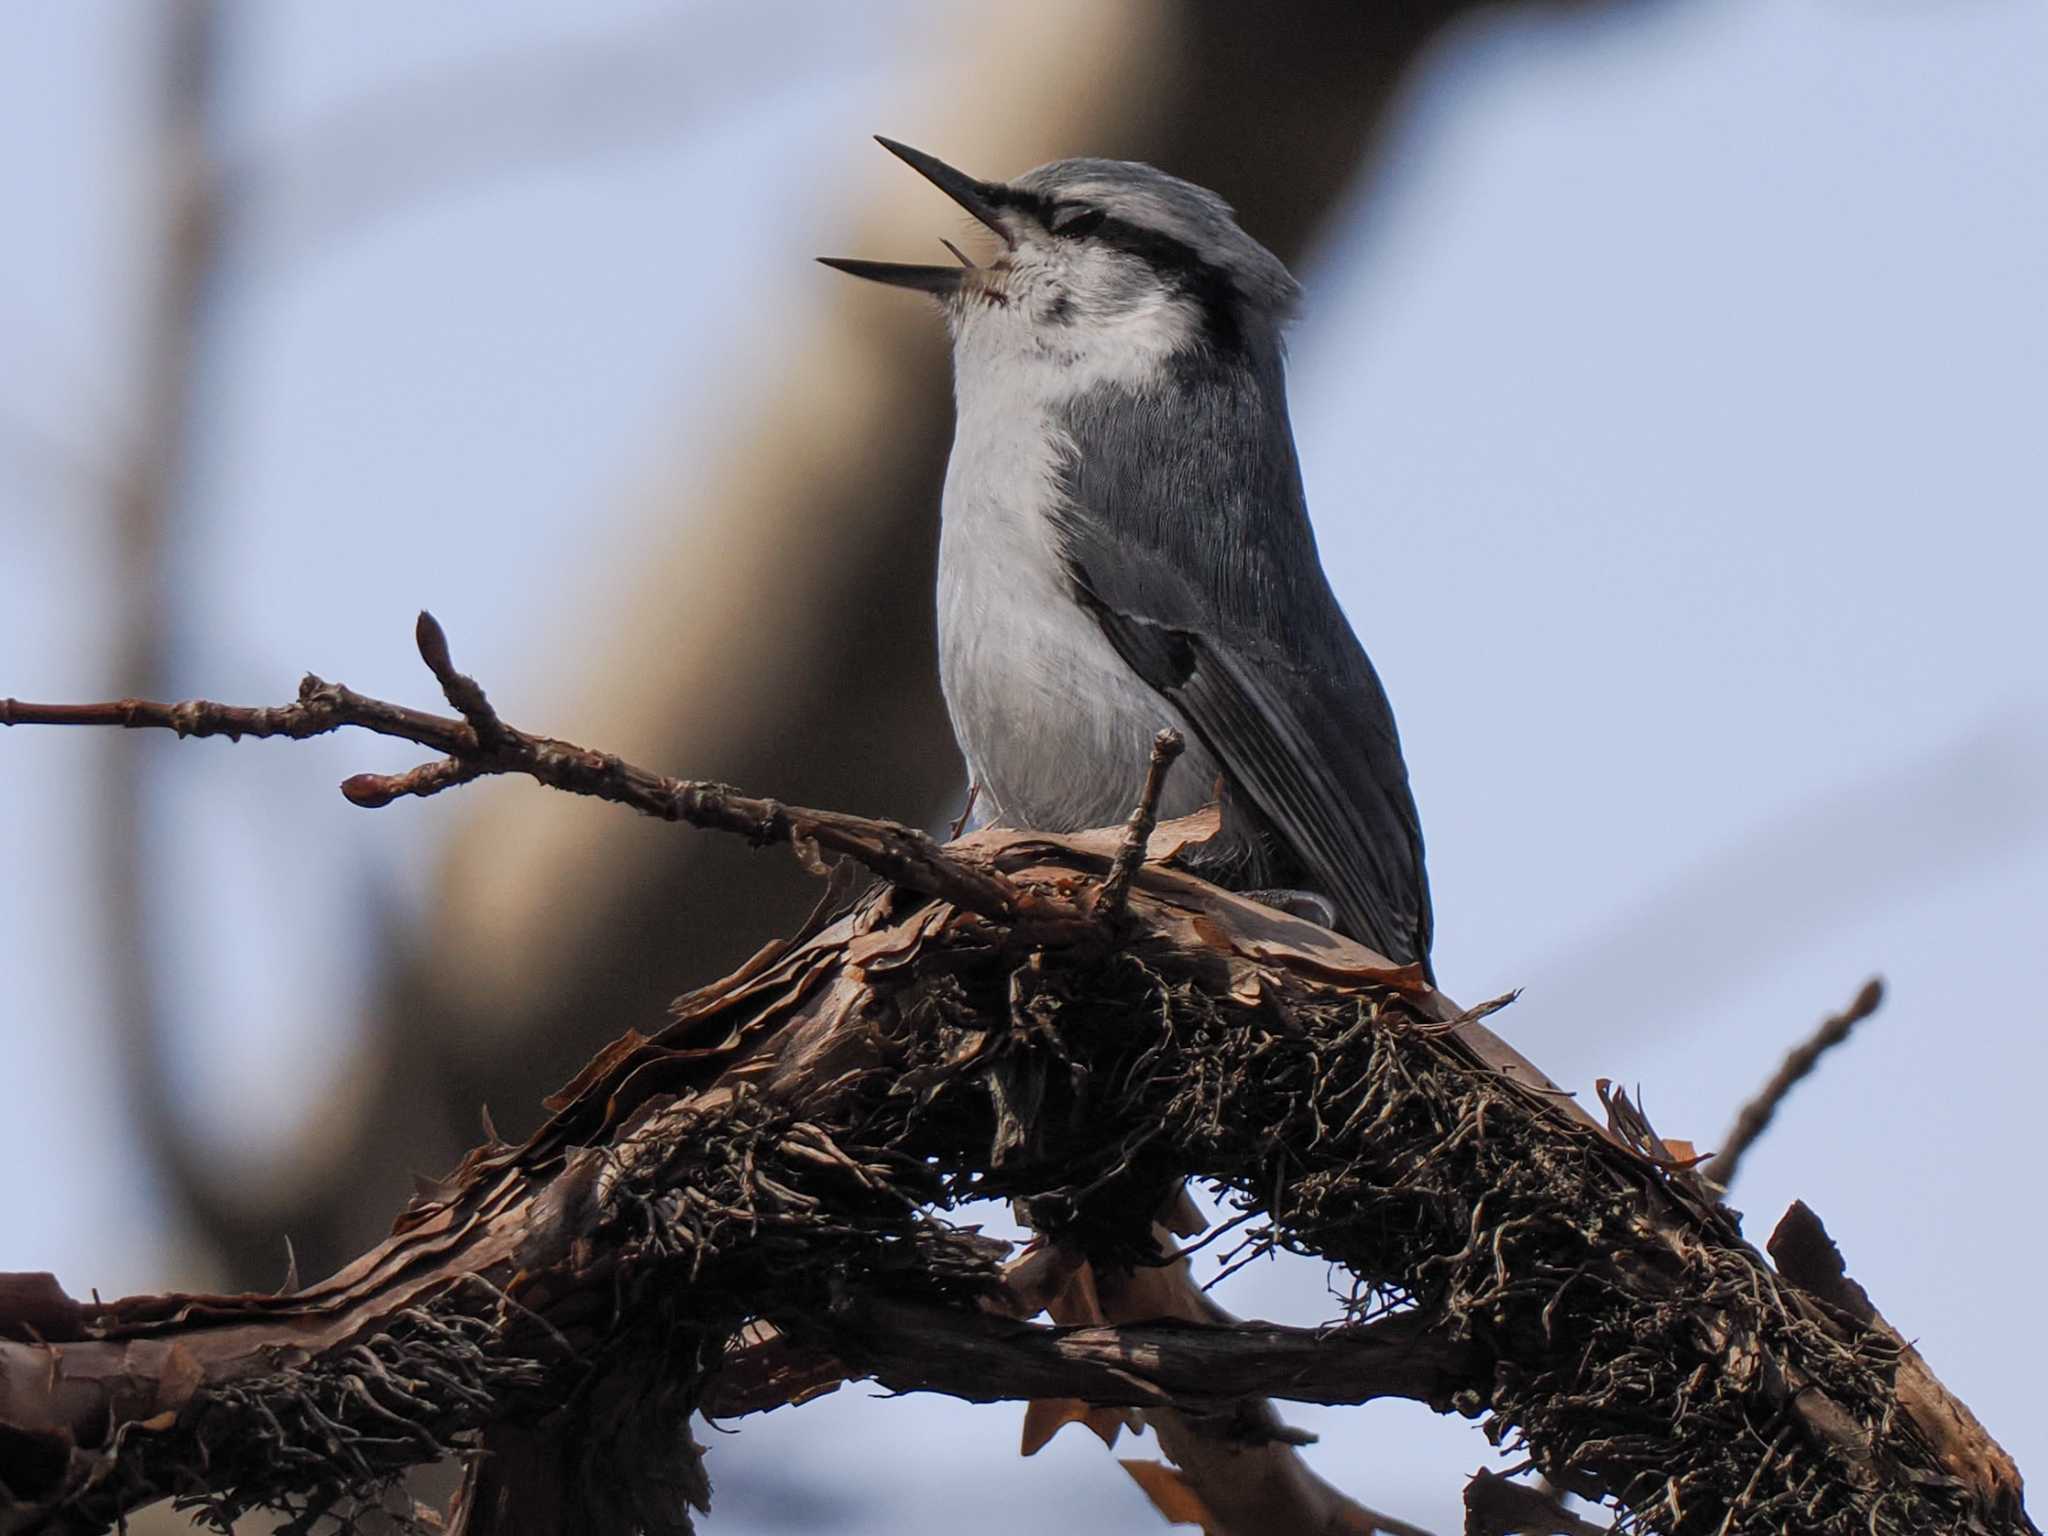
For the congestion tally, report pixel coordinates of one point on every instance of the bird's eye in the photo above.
(1076, 220)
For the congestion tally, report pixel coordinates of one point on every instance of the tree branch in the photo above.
(1799, 1063)
(980, 1358)
(895, 852)
(768, 1161)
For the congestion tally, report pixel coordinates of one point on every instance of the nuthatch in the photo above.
(1125, 546)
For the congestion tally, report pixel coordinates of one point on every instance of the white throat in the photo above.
(1054, 724)
(1006, 350)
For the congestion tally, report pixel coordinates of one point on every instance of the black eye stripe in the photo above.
(1162, 251)
(1174, 259)
(1076, 220)
(1016, 197)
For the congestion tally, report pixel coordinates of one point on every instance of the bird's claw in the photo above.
(1307, 905)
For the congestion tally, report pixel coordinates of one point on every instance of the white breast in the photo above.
(1056, 728)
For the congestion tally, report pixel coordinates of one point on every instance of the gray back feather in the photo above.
(1185, 531)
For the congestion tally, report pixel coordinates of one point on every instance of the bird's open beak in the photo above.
(900, 274)
(975, 196)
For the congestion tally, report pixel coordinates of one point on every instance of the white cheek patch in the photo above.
(1066, 322)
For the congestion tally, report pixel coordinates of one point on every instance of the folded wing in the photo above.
(1185, 533)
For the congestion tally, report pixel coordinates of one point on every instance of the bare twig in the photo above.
(966, 811)
(1756, 1115)
(459, 688)
(480, 745)
(1116, 888)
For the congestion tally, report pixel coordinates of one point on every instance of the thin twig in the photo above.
(1756, 1115)
(966, 812)
(1116, 886)
(459, 688)
(481, 745)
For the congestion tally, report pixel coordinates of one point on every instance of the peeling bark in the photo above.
(728, 1212)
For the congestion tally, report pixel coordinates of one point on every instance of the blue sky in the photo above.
(1672, 417)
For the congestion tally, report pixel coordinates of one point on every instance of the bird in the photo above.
(1125, 546)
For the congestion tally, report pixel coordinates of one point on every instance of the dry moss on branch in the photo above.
(1646, 1360)
(784, 1143)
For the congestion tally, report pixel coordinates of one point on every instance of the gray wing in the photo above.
(1186, 535)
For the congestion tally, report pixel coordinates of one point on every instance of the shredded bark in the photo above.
(774, 1157)
(746, 1206)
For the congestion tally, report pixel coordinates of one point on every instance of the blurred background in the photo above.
(1671, 396)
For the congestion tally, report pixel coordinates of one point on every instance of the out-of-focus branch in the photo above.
(505, 112)
(1799, 1063)
(146, 493)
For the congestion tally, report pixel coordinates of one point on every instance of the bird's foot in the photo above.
(1307, 905)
